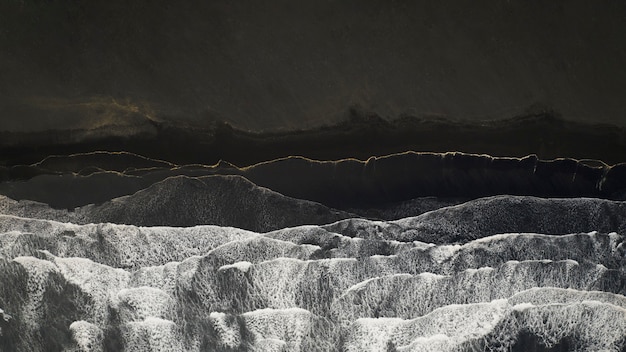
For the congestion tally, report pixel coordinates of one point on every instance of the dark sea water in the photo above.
(312, 176)
(281, 65)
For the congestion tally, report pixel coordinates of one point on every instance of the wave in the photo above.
(247, 290)
(183, 201)
(380, 186)
(361, 136)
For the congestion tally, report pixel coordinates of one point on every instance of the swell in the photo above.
(226, 200)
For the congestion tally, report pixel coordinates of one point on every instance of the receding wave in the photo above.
(362, 135)
(378, 182)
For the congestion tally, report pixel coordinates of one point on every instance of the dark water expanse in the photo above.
(363, 135)
(295, 65)
(312, 176)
